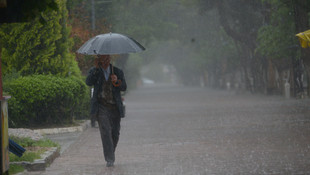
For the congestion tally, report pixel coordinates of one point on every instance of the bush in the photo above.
(41, 100)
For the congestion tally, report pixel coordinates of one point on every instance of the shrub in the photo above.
(40, 100)
(37, 47)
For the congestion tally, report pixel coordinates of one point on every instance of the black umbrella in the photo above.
(110, 44)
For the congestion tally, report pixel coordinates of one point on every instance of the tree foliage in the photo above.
(36, 48)
(144, 20)
(80, 18)
(174, 32)
(24, 11)
(276, 38)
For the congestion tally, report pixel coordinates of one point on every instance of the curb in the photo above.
(49, 156)
(49, 131)
(40, 164)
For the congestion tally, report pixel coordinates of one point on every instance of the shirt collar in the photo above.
(106, 70)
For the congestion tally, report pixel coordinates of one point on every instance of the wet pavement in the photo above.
(64, 139)
(197, 131)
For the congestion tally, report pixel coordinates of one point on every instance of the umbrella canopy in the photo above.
(304, 38)
(109, 44)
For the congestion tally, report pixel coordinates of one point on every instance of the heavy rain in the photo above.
(222, 86)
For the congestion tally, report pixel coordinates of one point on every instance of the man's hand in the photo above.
(115, 81)
(114, 78)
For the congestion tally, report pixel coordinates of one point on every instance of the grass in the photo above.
(34, 149)
(28, 142)
(14, 169)
(28, 156)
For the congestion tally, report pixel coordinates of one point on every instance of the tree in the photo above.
(80, 19)
(241, 20)
(301, 14)
(13, 11)
(277, 38)
(146, 21)
(36, 48)
(174, 32)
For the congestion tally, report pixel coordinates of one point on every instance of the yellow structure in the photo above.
(4, 137)
(304, 38)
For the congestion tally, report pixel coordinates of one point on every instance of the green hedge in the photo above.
(42, 100)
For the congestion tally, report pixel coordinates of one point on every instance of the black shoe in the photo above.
(110, 164)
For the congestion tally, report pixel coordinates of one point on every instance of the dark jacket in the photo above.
(95, 78)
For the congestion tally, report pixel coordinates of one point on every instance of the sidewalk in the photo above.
(63, 136)
(85, 145)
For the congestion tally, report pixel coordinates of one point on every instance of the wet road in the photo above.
(198, 131)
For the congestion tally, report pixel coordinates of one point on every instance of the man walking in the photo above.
(106, 103)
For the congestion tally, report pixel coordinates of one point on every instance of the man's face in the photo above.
(104, 60)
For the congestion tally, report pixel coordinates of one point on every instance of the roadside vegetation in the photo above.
(249, 45)
(40, 72)
(34, 149)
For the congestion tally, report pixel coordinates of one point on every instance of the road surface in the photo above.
(172, 130)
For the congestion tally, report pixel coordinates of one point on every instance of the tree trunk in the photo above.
(247, 44)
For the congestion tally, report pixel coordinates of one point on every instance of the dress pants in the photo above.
(109, 125)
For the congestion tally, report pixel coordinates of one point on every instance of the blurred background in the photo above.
(246, 46)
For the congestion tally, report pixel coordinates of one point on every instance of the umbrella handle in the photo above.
(119, 81)
(117, 84)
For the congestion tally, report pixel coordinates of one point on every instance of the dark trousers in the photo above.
(109, 125)
(93, 119)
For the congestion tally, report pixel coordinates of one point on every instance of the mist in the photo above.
(180, 36)
(219, 58)
(222, 87)
(229, 42)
